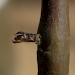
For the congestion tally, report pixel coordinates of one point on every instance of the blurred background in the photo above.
(24, 15)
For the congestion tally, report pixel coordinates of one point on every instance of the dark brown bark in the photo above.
(53, 52)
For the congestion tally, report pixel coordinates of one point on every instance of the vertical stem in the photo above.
(53, 52)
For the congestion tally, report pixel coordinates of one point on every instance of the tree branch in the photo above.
(53, 52)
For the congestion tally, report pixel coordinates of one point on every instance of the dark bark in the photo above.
(53, 52)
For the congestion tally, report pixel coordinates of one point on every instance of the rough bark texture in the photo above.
(53, 53)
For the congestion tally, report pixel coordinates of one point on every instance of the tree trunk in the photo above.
(53, 52)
